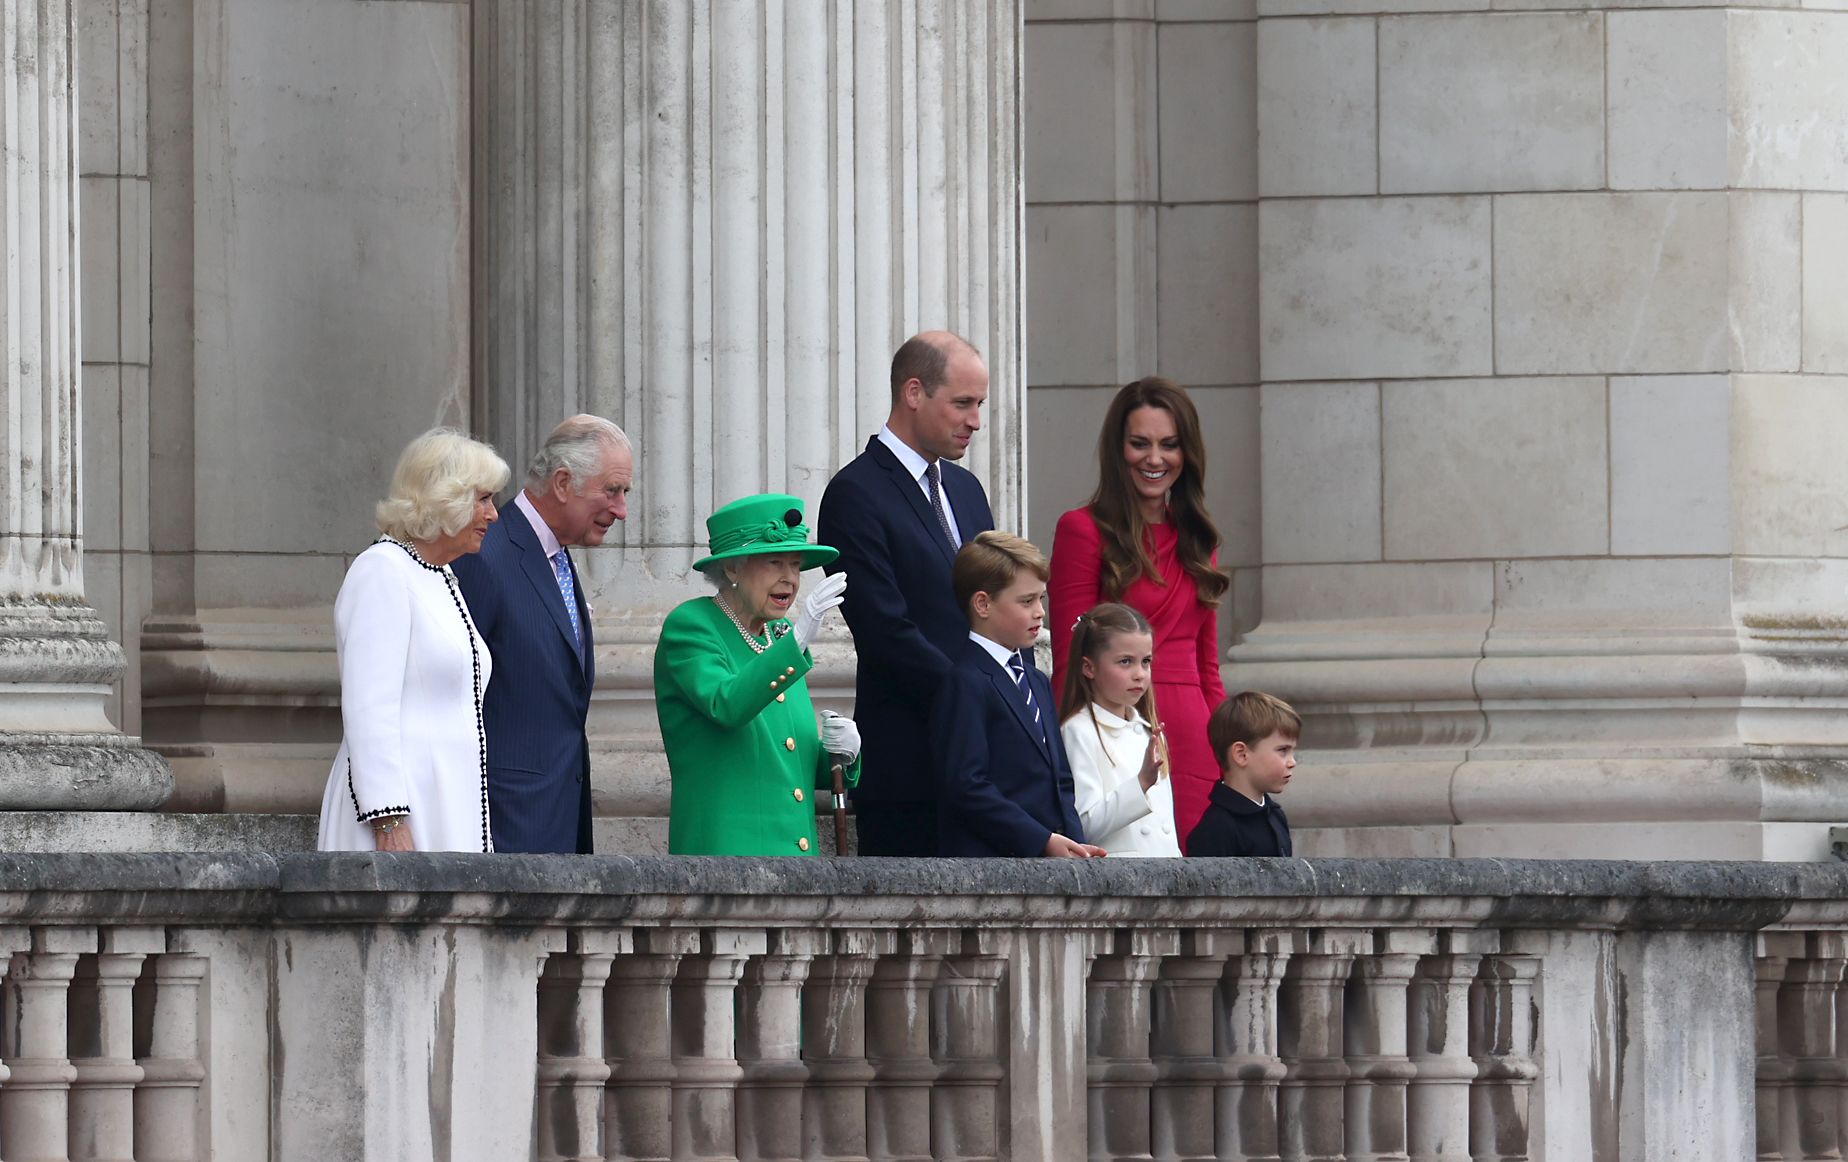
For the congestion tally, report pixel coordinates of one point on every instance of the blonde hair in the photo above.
(989, 563)
(1091, 637)
(1250, 717)
(433, 490)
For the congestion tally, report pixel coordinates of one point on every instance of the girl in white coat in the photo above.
(1113, 735)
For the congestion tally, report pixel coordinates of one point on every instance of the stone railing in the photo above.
(185, 1007)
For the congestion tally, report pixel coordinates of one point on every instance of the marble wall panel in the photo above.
(326, 284)
(1494, 468)
(1611, 283)
(1318, 112)
(1359, 289)
(1206, 300)
(1091, 283)
(1230, 417)
(1320, 448)
(1787, 96)
(1647, 588)
(1671, 465)
(1063, 423)
(1491, 102)
(1177, 10)
(1340, 592)
(1667, 104)
(1789, 477)
(1825, 283)
(104, 458)
(1089, 98)
(99, 253)
(1764, 307)
(1208, 100)
(1037, 10)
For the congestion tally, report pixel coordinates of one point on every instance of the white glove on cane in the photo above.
(839, 735)
(825, 596)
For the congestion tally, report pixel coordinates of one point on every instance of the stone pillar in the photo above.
(638, 1110)
(1376, 1046)
(706, 1072)
(167, 1100)
(1438, 1097)
(1184, 1024)
(58, 749)
(770, 1046)
(35, 1105)
(1310, 1101)
(572, 1067)
(1551, 344)
(713, 222)
(102, 1026)
(898, 1045)
(834, 1105)
(1249, 1043)
(1117, 1015)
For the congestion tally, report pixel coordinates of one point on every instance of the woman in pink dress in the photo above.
(1146, 540)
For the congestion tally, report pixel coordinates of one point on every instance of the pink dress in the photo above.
(1187, 681)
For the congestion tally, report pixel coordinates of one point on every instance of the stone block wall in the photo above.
(1142, 234)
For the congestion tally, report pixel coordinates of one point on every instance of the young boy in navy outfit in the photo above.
(1004, 786)
(1255, 737)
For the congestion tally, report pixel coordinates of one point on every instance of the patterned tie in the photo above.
(567, 588)
(936, 502)
(1019, 670)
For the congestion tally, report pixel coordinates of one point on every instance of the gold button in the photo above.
(789, 744)
(802, 844)
(798, 794)
(790, 670)
(773, 683)
(781, 697)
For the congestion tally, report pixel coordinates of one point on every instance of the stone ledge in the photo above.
(667, 890)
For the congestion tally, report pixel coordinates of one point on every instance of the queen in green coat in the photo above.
(744, 750)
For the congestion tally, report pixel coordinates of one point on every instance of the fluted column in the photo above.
(714, 221)
(58, 749)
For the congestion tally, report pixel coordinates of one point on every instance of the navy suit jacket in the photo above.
(903, 614)
(1004, 784)
(539, 693)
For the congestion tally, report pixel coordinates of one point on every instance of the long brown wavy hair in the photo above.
(1126, 537)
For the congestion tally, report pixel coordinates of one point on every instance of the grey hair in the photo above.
(716, 576)
(434, 489)
(576, 446)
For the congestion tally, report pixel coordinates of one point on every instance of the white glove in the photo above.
(839, 735)
(825, 596)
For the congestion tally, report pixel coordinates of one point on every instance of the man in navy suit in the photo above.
(898, 513)
(1004, 785)
(526, 598)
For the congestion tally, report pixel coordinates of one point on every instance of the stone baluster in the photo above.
(1310, 1102)
(172, 1065)
(1775, 951)
(1501, 1032)
(573, 1071)
(770, 1046)
(1117, 1024)
(1376, 1045)
(1810, 1110)
(637, 1008)
(706, 1072)
(1182, 1025)
(35, 1104)
(1437, 1104)
(1249, 1046)
(898, 1045)
(102, 1045)
(834, 1044)
(966, 1016)
(12, 940)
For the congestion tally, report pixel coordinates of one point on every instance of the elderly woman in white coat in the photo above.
(411, 772)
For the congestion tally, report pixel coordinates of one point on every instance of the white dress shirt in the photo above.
(1116, 815)
(916, 464)
(548, 540)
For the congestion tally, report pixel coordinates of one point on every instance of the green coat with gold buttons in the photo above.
(743, 748)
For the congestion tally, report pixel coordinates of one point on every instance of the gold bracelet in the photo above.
(386, 824)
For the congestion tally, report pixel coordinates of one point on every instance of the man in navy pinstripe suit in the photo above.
(524, 594)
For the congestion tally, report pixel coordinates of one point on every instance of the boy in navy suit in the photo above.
(1004, 786)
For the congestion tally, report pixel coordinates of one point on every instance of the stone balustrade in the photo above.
(185, 1007)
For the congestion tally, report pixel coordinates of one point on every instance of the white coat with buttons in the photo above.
(1106, 756)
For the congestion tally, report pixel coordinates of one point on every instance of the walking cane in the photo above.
(840, 803)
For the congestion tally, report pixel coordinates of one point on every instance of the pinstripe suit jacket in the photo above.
(538, 756)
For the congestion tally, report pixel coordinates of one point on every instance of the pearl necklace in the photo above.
(744, 633)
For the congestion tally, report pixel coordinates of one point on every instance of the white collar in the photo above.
(548, 540)
(1109, 721)
(910, 457)
(1000, 653)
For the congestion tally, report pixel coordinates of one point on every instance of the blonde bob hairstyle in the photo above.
(434, 488)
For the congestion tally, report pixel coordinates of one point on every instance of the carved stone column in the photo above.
(713, 221)
(58, 749)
